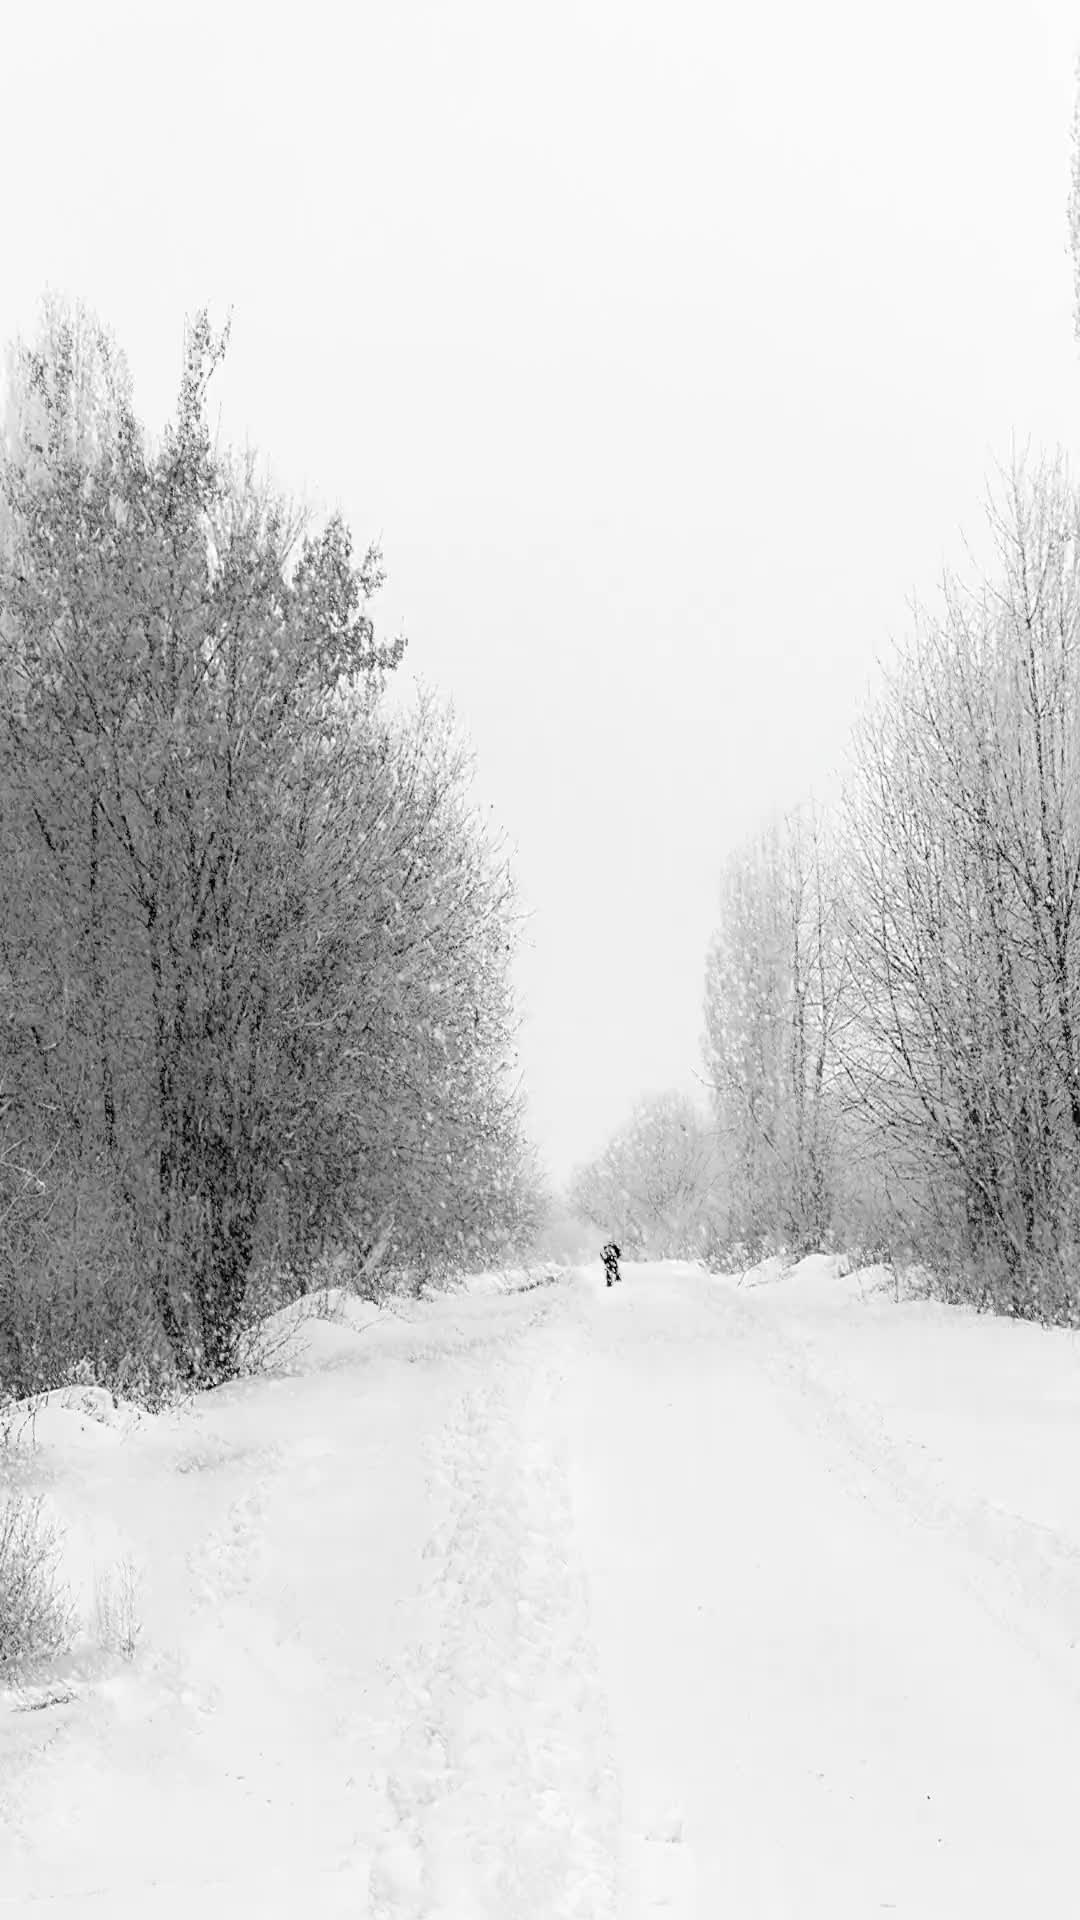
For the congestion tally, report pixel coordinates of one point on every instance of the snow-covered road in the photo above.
(583, 1603)
(795, 1657)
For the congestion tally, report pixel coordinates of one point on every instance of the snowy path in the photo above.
(828, 1689)
(575, 1604)
(504, 1784)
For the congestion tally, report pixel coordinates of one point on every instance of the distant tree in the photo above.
(652, 1186)
(775, 1001)
(562, 1236)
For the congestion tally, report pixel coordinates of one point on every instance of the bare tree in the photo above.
(965, 872)
(775, 998)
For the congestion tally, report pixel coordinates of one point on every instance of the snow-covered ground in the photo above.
(687, 1597)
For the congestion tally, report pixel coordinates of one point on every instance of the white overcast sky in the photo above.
(666, 348)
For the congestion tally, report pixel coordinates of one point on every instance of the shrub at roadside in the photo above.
(35, 1620)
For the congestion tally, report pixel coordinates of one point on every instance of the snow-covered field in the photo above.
(688, 1597)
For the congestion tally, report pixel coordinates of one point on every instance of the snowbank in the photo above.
(73, 1418)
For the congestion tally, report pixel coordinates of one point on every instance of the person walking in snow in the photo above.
(610, 1258)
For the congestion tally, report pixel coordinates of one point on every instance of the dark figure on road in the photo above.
(611, 1262)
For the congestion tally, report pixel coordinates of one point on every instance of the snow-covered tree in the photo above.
(965, 898)
(255, 954)
(653, 1185)
(775, 988)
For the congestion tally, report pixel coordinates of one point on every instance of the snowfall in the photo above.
(744, 1596)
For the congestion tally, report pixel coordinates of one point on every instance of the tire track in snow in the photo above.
(1023, 1576)
(502, 1796)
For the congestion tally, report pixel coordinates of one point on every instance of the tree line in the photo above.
(922, 959)
(255, 942)
(891, 1048)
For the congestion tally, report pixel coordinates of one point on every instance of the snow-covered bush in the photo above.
(35, 1619)
(118, 1609)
